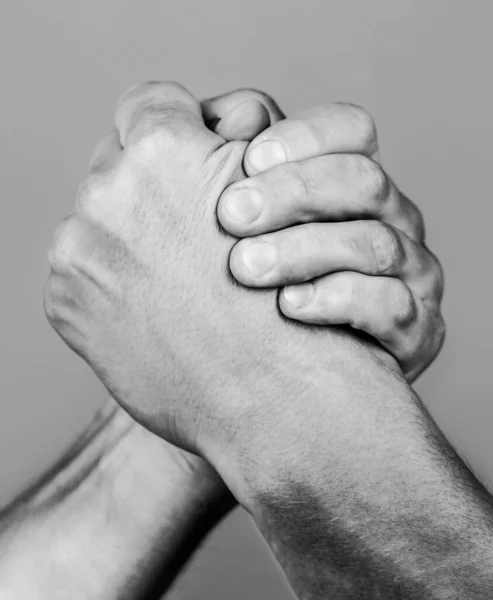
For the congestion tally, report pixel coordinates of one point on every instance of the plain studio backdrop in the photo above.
(423, 68)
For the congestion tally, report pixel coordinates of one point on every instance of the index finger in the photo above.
(336, 128)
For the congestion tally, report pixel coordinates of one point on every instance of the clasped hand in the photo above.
(140, 282)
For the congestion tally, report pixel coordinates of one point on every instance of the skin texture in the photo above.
(128, 508)
(115, 518)
(141, 289)
(140, 138)
(71, 496)
(105, 258)
(337, 221)
(373, 269)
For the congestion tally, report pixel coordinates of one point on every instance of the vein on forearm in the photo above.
(66, 475)
(98, 525)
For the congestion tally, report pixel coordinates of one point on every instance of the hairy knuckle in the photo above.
(386, 248)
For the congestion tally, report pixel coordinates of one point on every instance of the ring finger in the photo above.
(336, 187)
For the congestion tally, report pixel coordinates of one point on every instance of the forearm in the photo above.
(101, 525)
(361, 496)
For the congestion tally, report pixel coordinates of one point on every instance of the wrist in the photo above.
(123, 510)
(296, 413)
(134, 487)
(144, 474)
(359, 479)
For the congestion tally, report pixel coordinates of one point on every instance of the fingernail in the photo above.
(260, 257)
(266, 155)
(244, 205)
(299, 295)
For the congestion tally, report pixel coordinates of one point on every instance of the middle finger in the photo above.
(303, 252)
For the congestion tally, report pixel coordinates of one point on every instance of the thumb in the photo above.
(241, 115)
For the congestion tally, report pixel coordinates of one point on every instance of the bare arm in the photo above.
(116, 518)
(316, 433)
(122, 511)
(357, 491)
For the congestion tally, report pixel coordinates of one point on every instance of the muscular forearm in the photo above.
(101, 524)
(360, 496)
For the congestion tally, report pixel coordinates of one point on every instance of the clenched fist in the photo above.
(140, 285)
(321, 216)
(141, 288)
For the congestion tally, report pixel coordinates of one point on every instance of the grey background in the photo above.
(423, 68)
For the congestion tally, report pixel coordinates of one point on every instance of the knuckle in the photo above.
(52, 295)
(130, 95)
(63, 249)
(374, 181)
(430, 341)
(142, 88)
(386, 248)
(148, 111)
(411, 356)
(148, 132)
(152, 92)
(59, 315)
(142, 91)
(403, 306)
(90, 195)
(132, 91)
(438, 278)
(173, 90)
(416, 219)
(441, 332)
(155, 131)
(364, 122)
(102, 159)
